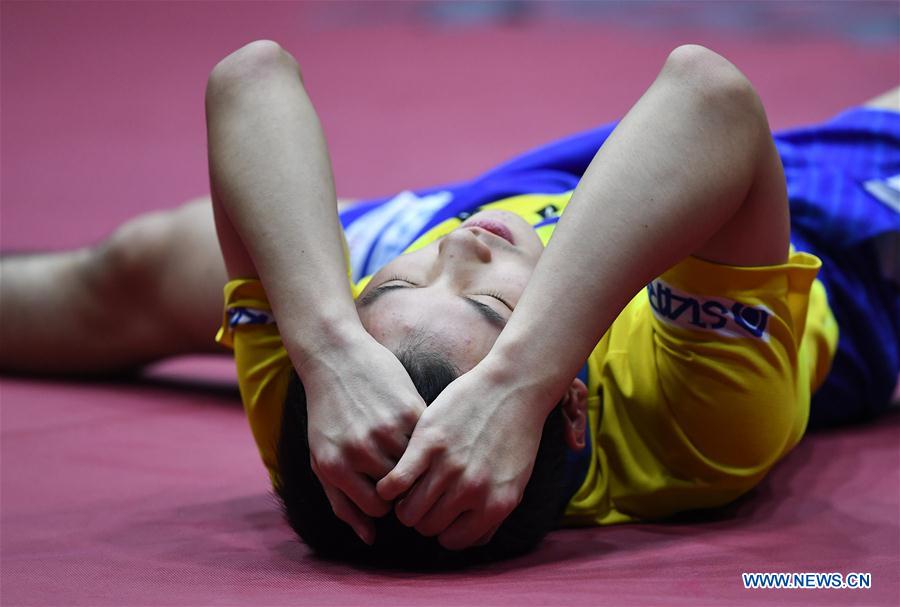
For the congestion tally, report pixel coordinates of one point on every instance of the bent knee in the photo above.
(127, 265)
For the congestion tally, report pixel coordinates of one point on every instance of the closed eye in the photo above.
(494, 294)
(487, 312)
(411, 284)
(369, 298)
(498, 297)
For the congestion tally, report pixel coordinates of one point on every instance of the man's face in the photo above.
(458, 291)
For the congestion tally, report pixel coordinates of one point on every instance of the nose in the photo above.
(464, 244)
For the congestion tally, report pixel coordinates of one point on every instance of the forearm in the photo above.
(271, 179)
(675, 170)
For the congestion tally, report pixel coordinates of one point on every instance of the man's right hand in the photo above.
(362, 408)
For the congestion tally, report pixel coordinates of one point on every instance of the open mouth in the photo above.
(494, 227)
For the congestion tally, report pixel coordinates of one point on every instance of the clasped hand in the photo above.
(456, 469)
(468, 460)
(362, 408)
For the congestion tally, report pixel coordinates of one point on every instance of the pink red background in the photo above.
(150, 492)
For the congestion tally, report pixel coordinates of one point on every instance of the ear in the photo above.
(574, 409)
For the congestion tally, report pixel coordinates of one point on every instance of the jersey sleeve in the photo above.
(264, 369)
(734, 375)
(705, 381)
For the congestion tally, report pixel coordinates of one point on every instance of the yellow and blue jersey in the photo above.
(700, 385)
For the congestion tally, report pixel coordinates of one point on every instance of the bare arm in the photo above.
(691, 170)
(276, 216)
(273, 196)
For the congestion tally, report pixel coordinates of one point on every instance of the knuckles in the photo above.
(385, 431)
(474, 486)
(357, 448)
(408, 417)
(500, 507)
(329, 467)
(438, 443)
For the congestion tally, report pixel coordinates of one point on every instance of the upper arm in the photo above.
(237, 259)
(238, 70)
(758, 232)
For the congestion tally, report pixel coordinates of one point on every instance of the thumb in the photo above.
(411, 466)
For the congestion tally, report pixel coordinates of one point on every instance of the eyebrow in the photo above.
(488, 313)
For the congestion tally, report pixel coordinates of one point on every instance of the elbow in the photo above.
(706, 72)
(248, 66)
(714, 83)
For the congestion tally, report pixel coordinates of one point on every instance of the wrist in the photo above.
(537, 384)
(312, 345)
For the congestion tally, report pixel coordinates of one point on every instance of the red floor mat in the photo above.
(152, 494)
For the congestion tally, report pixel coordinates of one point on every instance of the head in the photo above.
(460, 291)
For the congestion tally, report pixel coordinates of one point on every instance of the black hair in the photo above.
(309, 512)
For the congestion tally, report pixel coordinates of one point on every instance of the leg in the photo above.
(152, 289)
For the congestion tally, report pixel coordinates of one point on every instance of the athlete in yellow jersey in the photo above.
(703, 414)
(656, 355)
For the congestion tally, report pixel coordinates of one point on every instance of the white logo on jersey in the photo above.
(721, 315)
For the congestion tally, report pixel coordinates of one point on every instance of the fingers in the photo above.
(374, 465)
(347, 511)
(487, 537)
(477, 526)
(356, 486)
(420, 499)
(440, 517)
(469, 528)
(393, 445)
(457, 524)
(361, 490)
(378, 453)
(362, 455)
(411, 466)
(392, 435)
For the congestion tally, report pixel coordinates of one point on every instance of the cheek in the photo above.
(515, 280)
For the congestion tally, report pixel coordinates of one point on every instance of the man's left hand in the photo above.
(468, 460)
